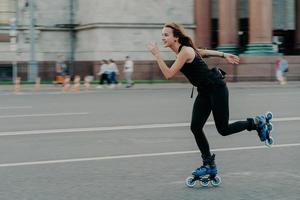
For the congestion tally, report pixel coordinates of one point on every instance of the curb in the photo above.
(142, 86)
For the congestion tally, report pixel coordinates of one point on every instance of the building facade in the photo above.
(86, 31)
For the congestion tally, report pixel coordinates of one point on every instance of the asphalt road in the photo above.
(136, 144)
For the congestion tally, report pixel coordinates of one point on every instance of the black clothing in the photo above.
(196, 72)
(209, 160)
(212, 97)
(104, 77)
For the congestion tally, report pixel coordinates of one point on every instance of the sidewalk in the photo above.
(143, 86)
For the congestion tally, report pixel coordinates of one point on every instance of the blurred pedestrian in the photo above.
(104, 74)
(282, 67)
(128, 71)
(60, 70)
(113, 72)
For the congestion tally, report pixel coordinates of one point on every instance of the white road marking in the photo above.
(14, 107)
(285, 119)
(116, 128)
(42, 115)
(139, 155)
(274, 93)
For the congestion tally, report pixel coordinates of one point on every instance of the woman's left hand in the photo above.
(233, 59)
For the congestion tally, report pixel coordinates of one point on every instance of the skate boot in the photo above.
(205, 174)
(264, 127)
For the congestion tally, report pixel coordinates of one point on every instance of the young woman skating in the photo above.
(212, 97)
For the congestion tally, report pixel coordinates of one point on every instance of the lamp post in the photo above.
(33, 68)
(13, 46)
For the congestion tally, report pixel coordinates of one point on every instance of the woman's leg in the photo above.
(220, 109)
(201, 111)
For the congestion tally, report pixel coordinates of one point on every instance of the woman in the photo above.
(212, 94)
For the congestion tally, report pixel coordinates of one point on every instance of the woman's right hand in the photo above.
(233, 59)
(153, 48)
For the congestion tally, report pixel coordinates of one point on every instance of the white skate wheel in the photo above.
(189, 181)
(269, 142)
(216, 181)
(269, 115)
(270, 127)
(204, 183)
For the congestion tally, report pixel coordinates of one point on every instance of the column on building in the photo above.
(228, 26)
(203, 23)
(297, 31)
(260, 28)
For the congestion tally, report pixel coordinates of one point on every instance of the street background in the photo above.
(136, 144)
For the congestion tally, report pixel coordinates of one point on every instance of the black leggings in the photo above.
(214, 99)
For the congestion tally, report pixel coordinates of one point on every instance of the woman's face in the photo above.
(168, 38)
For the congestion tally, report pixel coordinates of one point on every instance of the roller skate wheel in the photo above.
(204, 183)
(216, 181)
(190, 182)
(269, 115)
(263, 133)
(261, 122)
(270, 127)
(269, 142)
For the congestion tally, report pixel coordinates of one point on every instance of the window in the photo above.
(7, 11)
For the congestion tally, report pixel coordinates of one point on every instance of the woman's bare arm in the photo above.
(231, 58)
(182, 57)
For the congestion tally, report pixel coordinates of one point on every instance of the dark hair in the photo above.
(183, 38)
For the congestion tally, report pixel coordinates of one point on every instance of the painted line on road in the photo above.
(14, 107)
(42, 115)
(46, 162)
(117, 128)
(274, 93)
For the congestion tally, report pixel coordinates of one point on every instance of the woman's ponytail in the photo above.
(184, 40)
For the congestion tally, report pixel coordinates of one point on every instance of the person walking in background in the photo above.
(113, 72)
(60, 70)
(282, 67)
(128, 70)
(104, 74)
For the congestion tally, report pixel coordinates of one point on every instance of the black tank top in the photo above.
(196, 72)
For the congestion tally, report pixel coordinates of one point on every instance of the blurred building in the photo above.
(85, 31)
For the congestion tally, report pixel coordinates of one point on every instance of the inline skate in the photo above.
(264, 128)
(205, 174)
